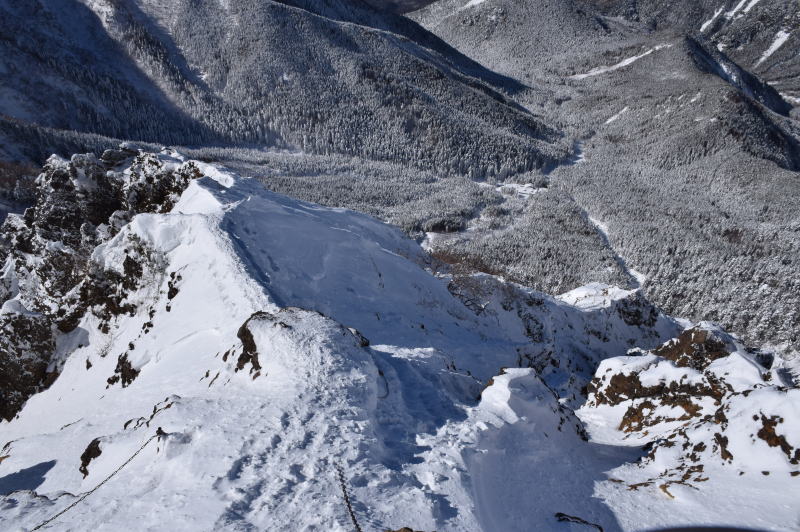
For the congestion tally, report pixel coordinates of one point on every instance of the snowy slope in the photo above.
(274, 341)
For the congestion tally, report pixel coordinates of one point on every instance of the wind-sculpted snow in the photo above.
(323, 341)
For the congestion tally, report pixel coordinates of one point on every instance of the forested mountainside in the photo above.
(281, 74)
(757, 34)
(688, 154)
(399, 265)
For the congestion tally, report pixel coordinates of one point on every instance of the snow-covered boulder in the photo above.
(708, 410)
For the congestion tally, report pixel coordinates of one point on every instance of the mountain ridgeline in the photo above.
(318, 77)
(410, 265)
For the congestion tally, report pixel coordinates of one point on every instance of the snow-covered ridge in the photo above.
(711, 60)
(267, 342)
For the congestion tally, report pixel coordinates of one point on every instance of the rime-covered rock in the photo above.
(49, 278)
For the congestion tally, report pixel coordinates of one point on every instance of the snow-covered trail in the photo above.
(319, 411)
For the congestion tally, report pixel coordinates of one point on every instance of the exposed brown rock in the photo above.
(249, 348)
(768, 434)
(694, 348)
(124, 372)
(92, 451)
(722, 445)
(623, 387)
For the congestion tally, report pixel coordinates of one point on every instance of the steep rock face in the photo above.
(49, 279)
(26, 345)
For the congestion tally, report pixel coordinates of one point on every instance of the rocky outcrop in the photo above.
(249, 354)
(695, 348)
(49, 280)
(698, 400)
(673, 383)
(91, 452)
(283, 319)
(26, 341)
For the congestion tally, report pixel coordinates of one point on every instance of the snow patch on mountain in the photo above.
(625, 62)
(710, 21)
(780, 39)
(712, 414)
(616, 116)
